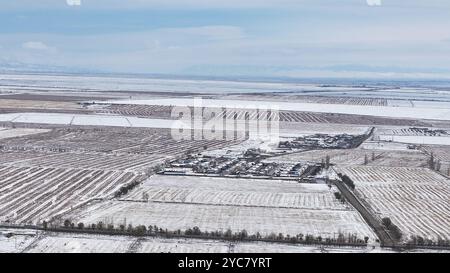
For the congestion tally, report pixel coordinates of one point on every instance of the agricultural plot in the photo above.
(313, 99)
(17, 132)
(16, 240)
(174, 216)
(413, 131)
(47, 174)
(441, 155)
(164, 112)
(34, 194)
(11, 157)
(414, 135)
(235, 192)
(35, 104)
(109, 140)
(79, 243)
(415, 199)
(92, 161)
(421, 140)
(286, 116)
(338, 157)
(371, 154)
(384, 146)
(399, 159)
(348, 100)
(430, 113)
(296, 129)
(219, 204)
(31, 241)
(440, 152)
(154, 111)
(87, 243)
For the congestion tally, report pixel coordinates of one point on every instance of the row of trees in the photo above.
(127, 188)
(393, 229)
(340, 197)
(415, 241)
(141, 230)
(326, 162)
(367, 160)
(347, 181)
(434, 164)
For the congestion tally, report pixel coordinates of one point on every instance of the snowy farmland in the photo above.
(48, 174)
(19, 82)
(415, 199)
(31, 241)
(413, 135)
(33, 194)
(339, 157)
(16, 240)
(220, 204)
(379, 111)
(17, 132)
(75, 148)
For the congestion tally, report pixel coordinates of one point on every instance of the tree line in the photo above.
(196, 232)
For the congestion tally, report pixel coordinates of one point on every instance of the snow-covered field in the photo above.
(236, 192)
(379, 111)
(34, 194)
(218, 204)
(115, 83)
(265, 220)
(124, 121)
(86, 243)
(385, 155)
(300, 129)
(16, 240)
(17, 132)
(430, 140)
(415, 199)
(31, 241)
(76, 243)
(384, 145)
(339, 157)
(423, 136)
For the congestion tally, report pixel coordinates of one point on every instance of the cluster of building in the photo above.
(251, 164)
(428, 132)
(323, 141)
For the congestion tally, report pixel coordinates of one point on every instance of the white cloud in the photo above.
(210, 33)
(35, 45)
(374, 2)
(73, 2)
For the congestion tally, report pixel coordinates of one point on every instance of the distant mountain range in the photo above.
(251, 73)
(14, 66)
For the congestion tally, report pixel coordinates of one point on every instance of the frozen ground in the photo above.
(115, 83)
(16, 132)
(415, 199)
(32, 241)
(119, 121)
(379, 111)
(296, 129)
(429, 140)
(265, 220)
(263, 206)
(352, 156)
(16, 240)
(384, 145)
(384, 155)
(238, 192)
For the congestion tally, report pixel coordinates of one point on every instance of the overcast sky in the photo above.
(296, 38)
